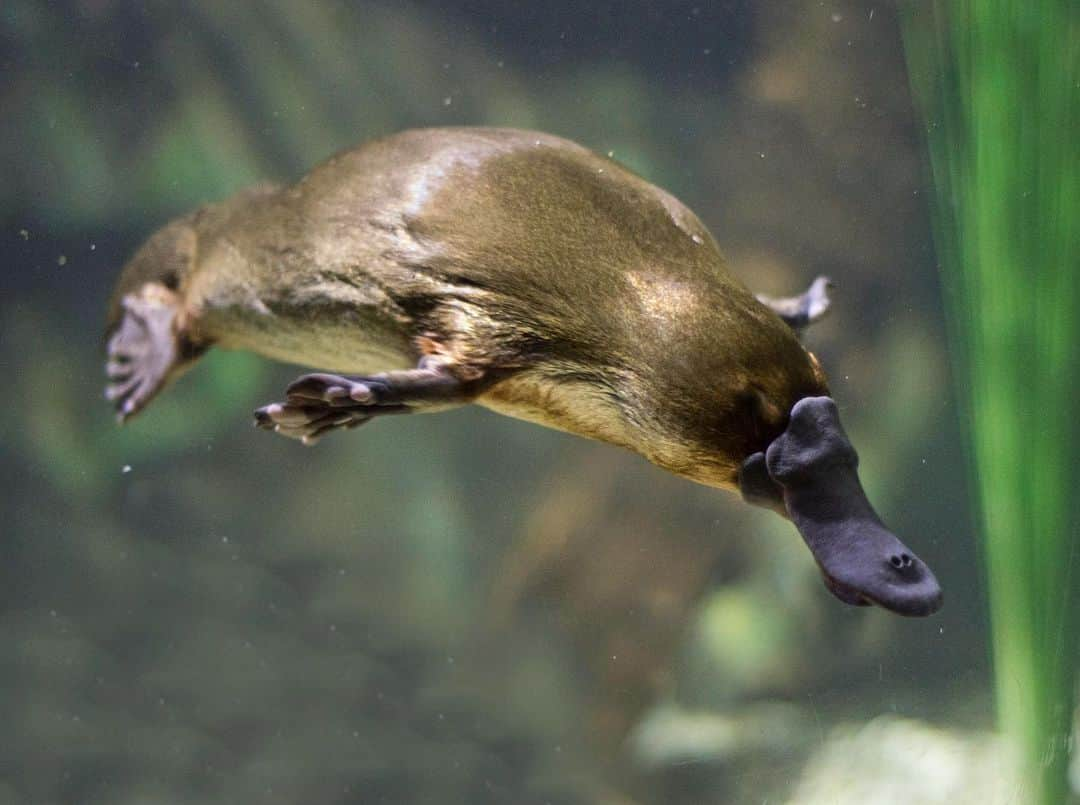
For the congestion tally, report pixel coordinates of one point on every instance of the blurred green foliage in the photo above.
(1000, 86)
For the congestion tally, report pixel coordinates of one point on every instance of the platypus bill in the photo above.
(527, 274)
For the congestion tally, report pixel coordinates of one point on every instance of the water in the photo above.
(462, 607)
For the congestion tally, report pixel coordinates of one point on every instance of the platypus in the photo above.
(527, 274)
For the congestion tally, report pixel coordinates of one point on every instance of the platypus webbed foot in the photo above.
(814, 467)
(316, 404)
(145, 350)
(799, 312)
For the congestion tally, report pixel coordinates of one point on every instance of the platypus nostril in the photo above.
(901, 561)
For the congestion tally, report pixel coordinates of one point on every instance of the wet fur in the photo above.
(593, 301)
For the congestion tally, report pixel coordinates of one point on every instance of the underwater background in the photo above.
(464, 608)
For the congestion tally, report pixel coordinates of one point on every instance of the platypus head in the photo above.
(808, 474)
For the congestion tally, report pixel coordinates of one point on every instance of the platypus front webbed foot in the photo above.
(316, 404)
(799, 312)
(812, 467)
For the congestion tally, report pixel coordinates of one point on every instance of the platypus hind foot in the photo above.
(146, 350)
(316, 404)
(799, 312)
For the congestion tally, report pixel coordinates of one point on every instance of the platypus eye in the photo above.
(759, 418)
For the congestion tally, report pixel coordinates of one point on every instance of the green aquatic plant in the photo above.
(998, 82)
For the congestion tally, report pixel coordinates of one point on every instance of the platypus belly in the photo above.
(340, 330)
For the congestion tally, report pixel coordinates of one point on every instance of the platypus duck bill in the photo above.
(809, 474)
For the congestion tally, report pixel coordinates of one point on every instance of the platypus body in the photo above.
(527, 274)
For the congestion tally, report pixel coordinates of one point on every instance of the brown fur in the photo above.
(596, 302)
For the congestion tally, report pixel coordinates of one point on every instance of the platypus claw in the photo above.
(317, 404)
(799, 312)
(143, 350)
(306, 423)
